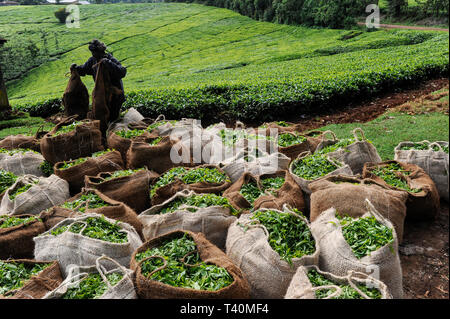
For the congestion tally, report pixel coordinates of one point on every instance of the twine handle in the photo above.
(353, 285)
(157, 269)
(332, 134)
(363, 137)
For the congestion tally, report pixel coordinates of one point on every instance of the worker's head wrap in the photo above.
(97, 46)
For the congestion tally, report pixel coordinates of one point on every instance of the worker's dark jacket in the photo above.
(117, 71)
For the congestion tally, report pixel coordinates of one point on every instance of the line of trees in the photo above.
(422, 9)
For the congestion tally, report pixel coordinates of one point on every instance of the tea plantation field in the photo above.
(188, 60)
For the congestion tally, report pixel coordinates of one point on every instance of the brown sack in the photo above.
(76, 97)
(109, 162)
(152, 289)
(116, 210)
(133, 190)
(423, 205)
(310, 144)
(54, 215)
(84, 140)
(103, 96)
(121, 144)
(290, 193)
(233, 193)
(157, 157)
(38, 285)
(347, 198)
(17, 241)
(23, 141)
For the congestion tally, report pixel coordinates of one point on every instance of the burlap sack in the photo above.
(435, 164)
(17, 241)
(292, 151)
(38, 285)
(75, 249)
(268, 275)
(161, 157)
(233, 193)
(76, 97)
(115, 210)
(337, 257)
(109, 162)
(47, 192)
(121, 144)
(22, 141)
(356, 154)
(304, 183)
(213, 221)
(103, 266)
(152, 289)
(56, 214)
(423, 205)
(290, 193)
(84, 140)
(165, 192)
(257, 166)
(301, 288)
(348, 199)
(132, 190)
(22, 163)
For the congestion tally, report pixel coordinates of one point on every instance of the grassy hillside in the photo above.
(190, 59)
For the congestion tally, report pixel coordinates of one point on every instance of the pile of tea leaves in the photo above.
(129, 134)
(365, 235)
(122, 173)
(79, 205)
(272, 184)
(318, 280)
(388, 174)
(288, 139)
(314, 166)
(7, 179)
(289, 236)
(7, 221)
(251, 192)
(343, 143)
(67, 128)
(178, 252)
(95, 227)
(198, 201)
(92, 286)
(19, 190)
(16, 151)
(13, 275)
(424, 146)
(69, 164)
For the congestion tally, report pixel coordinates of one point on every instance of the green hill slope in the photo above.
(188, 60)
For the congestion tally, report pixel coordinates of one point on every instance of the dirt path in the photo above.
(410, 27)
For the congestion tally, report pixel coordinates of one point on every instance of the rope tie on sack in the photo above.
(157, 269)
(102, 271)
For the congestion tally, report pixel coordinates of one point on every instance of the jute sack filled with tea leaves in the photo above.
(423, 198)
(163, 193)
(104, 267)
(347, 195)
(42, 193)
(308, 143)
(148, 288)
(70, 248)
(433, 160)
(132, 190)
(37, 286)
(56, 214)
(102, 205)
(74, 175)
(233, 193)
(17, 241)
(212, 221)
(23, 141)
(82, 141)
(167, 153)
(249, 245)
(302, 288)
(22, 162)
(76, 97)
(289, 193)
(339, 168)
(337, 257)
(247, 162)
(356, 154)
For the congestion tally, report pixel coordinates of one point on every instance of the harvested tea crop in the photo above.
(16, 151)
(272, 184)
(424, 146)
(81, 160)
(46, 168)
(155, 141)
(200, 201)
(318, 280)
(250, 191)
(7, 179)
(287, 139)
(388, 174)
(122, 173)
(167, 178)
(195, 275)
(79, 205)
(13, 275)
(129, 134)
(97, 228)
(340, 144)
(7, 221)
(17, 191)
(153, 126)
(67, 128)
(314, 166)
(289, 236)
(92, 286)
(365, 235)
